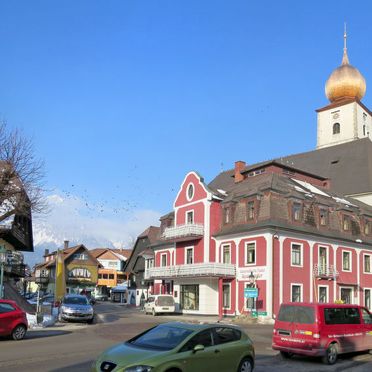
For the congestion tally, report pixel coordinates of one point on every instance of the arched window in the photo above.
(336, 128)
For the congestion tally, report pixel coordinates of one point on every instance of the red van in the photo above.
(325, 330)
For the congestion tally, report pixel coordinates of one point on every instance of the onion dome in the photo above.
(345, 81)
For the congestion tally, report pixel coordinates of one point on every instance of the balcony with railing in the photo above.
(325, 272)
(191, 270)
(183, 232)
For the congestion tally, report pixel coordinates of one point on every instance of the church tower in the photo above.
(345, 119)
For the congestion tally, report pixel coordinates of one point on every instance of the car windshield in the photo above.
(75, 301)
(162, 337)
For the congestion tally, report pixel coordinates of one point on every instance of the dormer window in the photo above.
(367, 227)
(250, 210)
(346, 223)
(336, 128)
(227, 215)
(323, 217)
(296, 211)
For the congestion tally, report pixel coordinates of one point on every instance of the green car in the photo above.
(181, 347)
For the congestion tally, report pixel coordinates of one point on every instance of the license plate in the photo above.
(165, 308)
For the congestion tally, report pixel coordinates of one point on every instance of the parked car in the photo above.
(13, 320)
(76, 308)
(159, 304)
(324, 330)
(182, 347)
(43, 300)
(101, 297)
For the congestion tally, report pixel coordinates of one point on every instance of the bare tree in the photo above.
(21, 175)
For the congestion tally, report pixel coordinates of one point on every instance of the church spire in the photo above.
(345, 58)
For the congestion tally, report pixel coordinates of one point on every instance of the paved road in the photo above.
(73, 347)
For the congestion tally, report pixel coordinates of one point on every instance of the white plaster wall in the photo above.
(208, 295)
(363, 120)
(347, 119)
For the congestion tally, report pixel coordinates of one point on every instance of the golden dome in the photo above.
(345, 81)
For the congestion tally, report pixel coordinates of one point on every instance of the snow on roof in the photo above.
(309, 187)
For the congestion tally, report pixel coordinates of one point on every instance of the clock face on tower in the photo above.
(336, 116)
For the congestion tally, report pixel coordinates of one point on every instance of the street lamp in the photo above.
(40, 279)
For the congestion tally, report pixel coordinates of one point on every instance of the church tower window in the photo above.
(336, 128)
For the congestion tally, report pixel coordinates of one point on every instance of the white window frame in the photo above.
(327, 254)
(351, 261)
(352, 292)
(327, 292)
(301, 254)
(246, 255)
(370, 263)
(226, 284)
(364, 298)
(161, 260)
(301, 289)
(222, 250)
(187, 191)
(187, 219)
(193, 257)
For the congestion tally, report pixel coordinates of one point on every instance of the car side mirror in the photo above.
(198, 348)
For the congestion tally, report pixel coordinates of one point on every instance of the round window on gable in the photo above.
(190, 191)
(336, 128)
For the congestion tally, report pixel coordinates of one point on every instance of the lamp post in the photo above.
(40, 279)
(2, 264)
(252, 283)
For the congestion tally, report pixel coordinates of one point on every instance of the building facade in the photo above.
(277, 231)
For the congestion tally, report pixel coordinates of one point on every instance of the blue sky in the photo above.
(123, 98)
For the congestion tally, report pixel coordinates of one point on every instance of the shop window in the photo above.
(226, 288)
(367, 299)
(189, 297)
(323, 294)
(296, 293)
(346, 294)
(250, 255)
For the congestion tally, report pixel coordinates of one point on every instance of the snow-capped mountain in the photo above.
(70, 219)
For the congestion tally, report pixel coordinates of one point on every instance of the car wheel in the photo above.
(286, 354)
(246, 365)
(153, 312)
(90, 321)
(19, 332)
(331, 354)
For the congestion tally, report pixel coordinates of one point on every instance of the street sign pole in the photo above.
(2, 263)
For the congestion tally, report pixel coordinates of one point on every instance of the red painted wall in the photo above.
(198, 251)
(199, 190)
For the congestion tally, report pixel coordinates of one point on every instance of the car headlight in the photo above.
(139, 369)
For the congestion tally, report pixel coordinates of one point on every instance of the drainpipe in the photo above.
(275, 237)
(220, 294)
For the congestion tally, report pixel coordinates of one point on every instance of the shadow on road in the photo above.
(43, 334)
(79, 367)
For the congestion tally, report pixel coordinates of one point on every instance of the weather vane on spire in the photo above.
(345, 37)
(345, 58)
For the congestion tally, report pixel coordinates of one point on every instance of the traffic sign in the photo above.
(250, 292)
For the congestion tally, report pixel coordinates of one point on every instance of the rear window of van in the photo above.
(165, 301)
(341, 315)
(296, 314)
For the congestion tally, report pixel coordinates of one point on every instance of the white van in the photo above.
(159, 304)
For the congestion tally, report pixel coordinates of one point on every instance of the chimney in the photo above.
(46, 252)
(239, 166)
(65, 244)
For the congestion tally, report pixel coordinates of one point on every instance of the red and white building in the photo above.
(283, 227)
